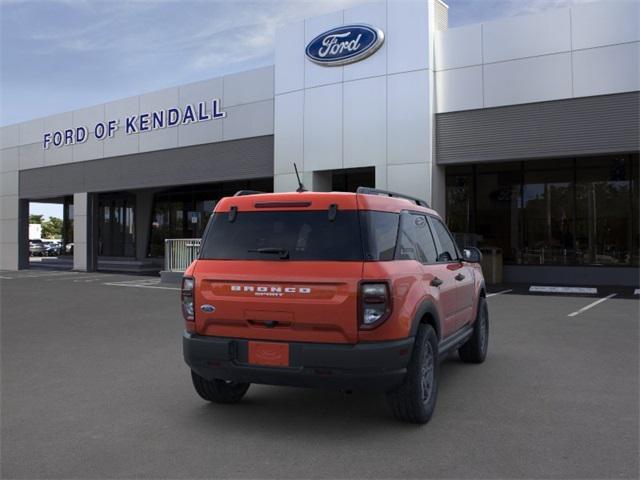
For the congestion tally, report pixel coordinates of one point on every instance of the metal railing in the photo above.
(179, 253)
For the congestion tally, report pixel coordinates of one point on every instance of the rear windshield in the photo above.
(305, 235)
(301, 235)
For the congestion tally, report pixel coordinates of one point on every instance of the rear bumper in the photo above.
(375, 367)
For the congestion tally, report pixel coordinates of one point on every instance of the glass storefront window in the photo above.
(634, 164)
(498, 206)
(116, 225)
(165, 223)
(183, 212)
(569, 211)
(459, 185)
(604, 211)
(548, 221)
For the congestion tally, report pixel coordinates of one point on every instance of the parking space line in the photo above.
(60, 279)
(6, 278)
(147, 281)
(83, 279)
(499, 293)
(46, 275)
(550, 289)
(112, 284)
(591, 305)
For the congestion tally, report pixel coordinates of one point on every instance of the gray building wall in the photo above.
(592, 48)
(214, 162)
(570, 127)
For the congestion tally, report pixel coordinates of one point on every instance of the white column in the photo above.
(9, 209)
(81, 233)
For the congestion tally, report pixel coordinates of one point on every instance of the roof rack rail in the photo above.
(242, 193)
(377, 191)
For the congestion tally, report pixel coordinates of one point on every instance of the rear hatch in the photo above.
(284, 269)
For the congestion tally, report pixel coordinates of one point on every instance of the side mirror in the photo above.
(471, 255)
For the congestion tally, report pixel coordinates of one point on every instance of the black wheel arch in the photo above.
(426, 313)
(482, 291)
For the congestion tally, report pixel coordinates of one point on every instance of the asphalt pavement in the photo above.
(94, 386)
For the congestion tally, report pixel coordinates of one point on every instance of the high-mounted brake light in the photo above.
(375, 304)
(281, 204)
(186, 295)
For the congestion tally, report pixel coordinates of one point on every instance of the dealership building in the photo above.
(522, 132)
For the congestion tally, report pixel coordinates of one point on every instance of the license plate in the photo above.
(269, 353)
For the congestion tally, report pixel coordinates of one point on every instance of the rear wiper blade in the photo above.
(283, 252)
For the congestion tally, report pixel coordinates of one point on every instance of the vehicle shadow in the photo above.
(296, 411)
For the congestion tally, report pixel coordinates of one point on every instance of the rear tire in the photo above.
(219, 391)
(474, 350)
(415, 399)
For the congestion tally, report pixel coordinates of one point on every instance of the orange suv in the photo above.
(352, 291)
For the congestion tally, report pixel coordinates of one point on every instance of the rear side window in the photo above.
(379, 231)
(447, 251)
(304, 235)
(415, 241)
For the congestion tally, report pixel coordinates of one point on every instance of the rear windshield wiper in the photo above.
(283, 252)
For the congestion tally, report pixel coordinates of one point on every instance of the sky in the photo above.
(61, 55)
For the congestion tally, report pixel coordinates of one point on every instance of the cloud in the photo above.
(463, 12)
(253, 35)
(76, 53)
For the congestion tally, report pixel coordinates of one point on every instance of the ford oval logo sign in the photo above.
(343, 45)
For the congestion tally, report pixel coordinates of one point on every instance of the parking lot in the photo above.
(94, 386)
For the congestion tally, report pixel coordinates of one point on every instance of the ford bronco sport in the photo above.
(352, 291)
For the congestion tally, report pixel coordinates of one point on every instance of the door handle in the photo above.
(459, 277)
(436, 282)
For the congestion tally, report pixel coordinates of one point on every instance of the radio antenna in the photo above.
(300, 188)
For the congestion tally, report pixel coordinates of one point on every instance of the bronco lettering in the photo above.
(269, 289)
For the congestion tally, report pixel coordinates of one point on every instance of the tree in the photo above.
(52, 228)
(36, 219)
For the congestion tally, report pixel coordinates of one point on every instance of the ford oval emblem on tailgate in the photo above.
(208, 308)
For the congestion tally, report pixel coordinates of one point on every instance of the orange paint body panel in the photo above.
(315, 201)
(318, 201)
(279, 300)
(407, 287)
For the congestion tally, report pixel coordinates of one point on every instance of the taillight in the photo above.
(188, 309)
(375, 304)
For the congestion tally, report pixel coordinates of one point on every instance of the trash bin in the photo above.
(492, 264)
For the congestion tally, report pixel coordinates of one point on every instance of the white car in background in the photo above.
(37, 248)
